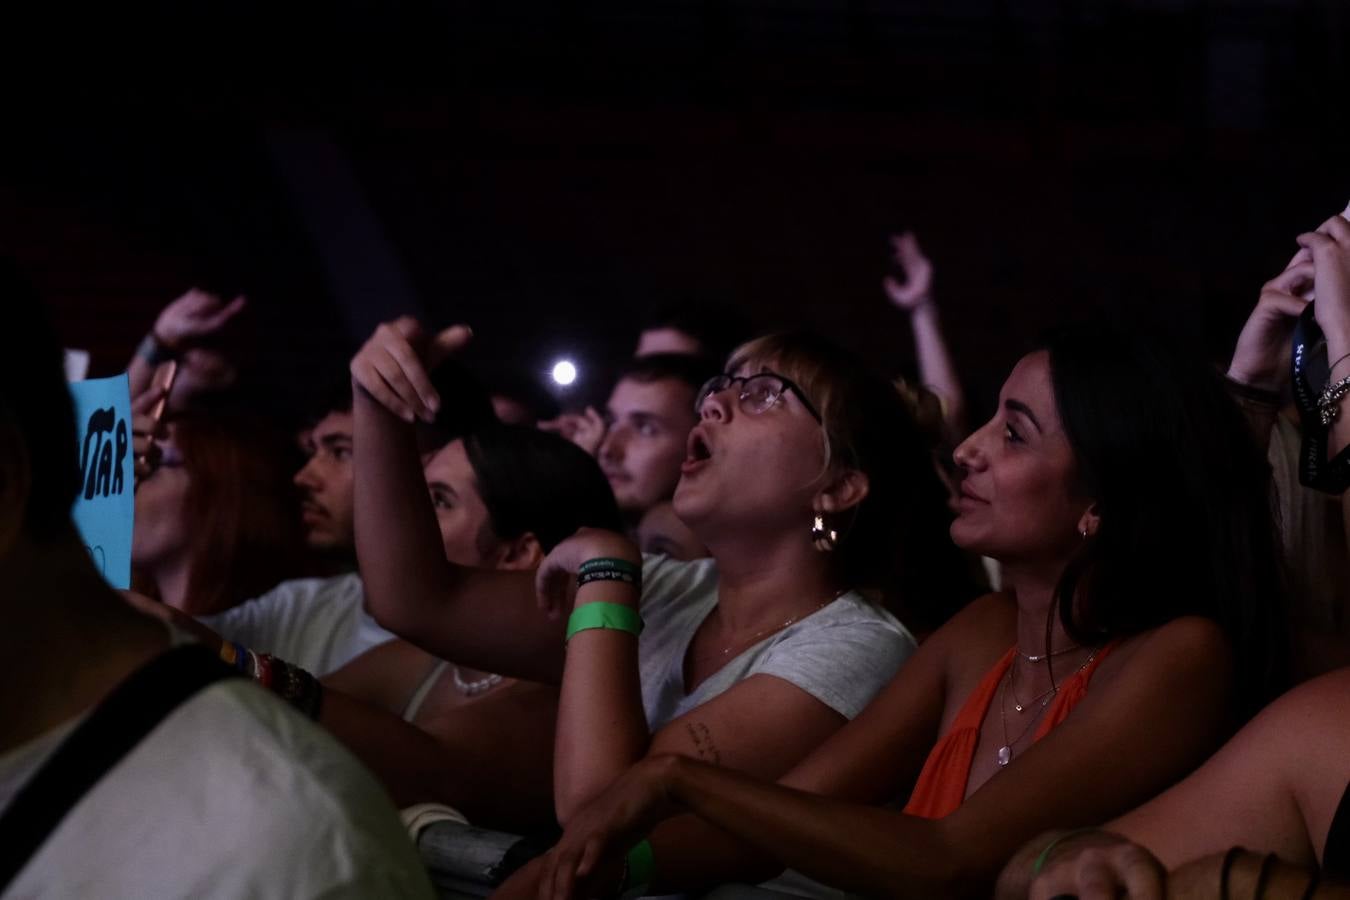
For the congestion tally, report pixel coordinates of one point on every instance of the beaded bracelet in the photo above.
(291, 683)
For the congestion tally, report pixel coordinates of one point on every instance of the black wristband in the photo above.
(153, 351)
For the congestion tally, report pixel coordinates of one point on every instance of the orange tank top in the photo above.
(941, 787)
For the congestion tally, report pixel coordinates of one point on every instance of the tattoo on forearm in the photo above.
(703, 743)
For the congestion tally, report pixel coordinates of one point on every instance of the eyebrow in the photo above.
(442, 486)
(1019, 407)
(332, 439)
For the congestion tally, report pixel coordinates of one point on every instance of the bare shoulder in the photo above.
(988, 618)
(1187, 644)
(972, 641)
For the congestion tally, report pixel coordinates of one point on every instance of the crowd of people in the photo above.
(769, 624)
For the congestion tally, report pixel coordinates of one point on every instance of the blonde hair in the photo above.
(895, 541)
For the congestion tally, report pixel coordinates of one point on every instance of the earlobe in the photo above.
(523, 553)
(1089, 522)
(846, 491)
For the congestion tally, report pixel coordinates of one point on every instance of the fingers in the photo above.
(369, 379)
(590, 855)
(907, 251)
(895, 290)
(1103, 874)
(390, 371)
(1315, 241)
(410, 378)
(1293, 279)
(1336, 228)
(145, 403)
(218, 320)
(447, 343)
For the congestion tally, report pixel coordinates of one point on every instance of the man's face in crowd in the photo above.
(326, 483)
(645, 444)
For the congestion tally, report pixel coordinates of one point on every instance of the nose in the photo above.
(968, 454)
(308, 477)
(611, 448)
(716, 406)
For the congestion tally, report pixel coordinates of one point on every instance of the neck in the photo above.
(68, 637)
(172, 580)
(1033, 586)
(760, 582)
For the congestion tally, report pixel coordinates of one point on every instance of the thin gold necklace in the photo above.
(1004, 755)
(754, 638)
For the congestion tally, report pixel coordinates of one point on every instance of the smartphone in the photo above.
(162, 382)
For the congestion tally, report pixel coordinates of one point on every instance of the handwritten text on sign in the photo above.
(104, 507)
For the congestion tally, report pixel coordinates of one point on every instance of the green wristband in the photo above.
(614, 616)
(640, 863)
(1045, 854)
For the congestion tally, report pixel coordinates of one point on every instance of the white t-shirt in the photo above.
(318, 624)
(234, 794)
(841, 654)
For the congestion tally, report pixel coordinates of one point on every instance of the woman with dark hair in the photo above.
(1120, 490)
(504, 497)
(215, 516)
(803, 464)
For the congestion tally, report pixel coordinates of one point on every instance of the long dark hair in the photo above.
(1184, 495)
(896, 542)
(536, 482)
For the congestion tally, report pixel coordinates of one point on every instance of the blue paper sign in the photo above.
(105, 505)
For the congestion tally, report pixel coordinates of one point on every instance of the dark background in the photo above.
(547, 171)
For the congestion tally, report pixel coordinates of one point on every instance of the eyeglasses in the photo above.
(757, 394)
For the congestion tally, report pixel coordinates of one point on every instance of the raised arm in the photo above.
(188, 320)
(485, 619)
(1329, 247)
(915, 297)
(1258, 371)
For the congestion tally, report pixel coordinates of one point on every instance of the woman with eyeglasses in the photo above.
(809, 483)
(1120, 489)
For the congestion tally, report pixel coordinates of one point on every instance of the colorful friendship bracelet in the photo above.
(291, 683)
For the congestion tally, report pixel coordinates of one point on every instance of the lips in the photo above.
(312, 511)
(967, 496)
(698, 451)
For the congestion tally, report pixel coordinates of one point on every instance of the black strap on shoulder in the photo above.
(115, 726)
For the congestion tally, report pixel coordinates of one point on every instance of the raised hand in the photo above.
(555, 580)
(193, 317)
(585, 429)
(1259, 357)
(392, 366)
(917, 289)
(1329, 247)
